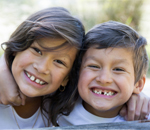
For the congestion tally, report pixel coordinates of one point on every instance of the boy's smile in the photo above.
(38, 72)
(106, 80)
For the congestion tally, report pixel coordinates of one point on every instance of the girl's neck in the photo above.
(30, 107)
(105, 114)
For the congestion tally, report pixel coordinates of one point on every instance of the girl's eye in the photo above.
(59, 62)
(37, 50)
(93, 66)
(118, 69)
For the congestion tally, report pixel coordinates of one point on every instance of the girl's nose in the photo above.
(104, 77)
(42, 66)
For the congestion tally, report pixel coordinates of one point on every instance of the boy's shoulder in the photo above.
(80, 116)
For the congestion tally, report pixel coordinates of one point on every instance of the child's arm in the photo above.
(9, 93)
(136, 108)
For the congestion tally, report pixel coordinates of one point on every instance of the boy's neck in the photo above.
(30, 107)
(105, 114)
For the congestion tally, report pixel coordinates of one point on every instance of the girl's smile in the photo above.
(36, 81)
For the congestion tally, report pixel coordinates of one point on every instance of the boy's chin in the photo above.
(105, 111)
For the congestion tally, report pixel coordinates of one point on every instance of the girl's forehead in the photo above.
(50, 42)
(53, 44)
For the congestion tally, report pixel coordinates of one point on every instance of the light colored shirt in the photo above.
(80, 116)
(8, 121)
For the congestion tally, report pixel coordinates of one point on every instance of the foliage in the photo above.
(125, 11)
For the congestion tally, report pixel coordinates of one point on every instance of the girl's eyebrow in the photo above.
(90, 57)
(64, 55)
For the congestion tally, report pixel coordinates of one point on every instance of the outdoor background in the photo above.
(135, 13)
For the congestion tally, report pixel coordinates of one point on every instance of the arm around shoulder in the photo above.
(9, 93)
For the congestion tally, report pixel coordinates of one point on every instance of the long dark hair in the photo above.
(55, 22)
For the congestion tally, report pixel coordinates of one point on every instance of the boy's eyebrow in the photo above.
(121, 61)
(90, 57)
(116, 61)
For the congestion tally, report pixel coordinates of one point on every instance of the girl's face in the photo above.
(40, 72)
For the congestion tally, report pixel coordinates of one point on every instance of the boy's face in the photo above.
(106, 80)
(40, 72)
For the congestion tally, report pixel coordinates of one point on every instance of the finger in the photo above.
(138, 110)
(5, 102)
(148, 115)
(17, 101)
(23, 97)
(149, 107)
(144, 110)
(131, 104)
(0, 101)
(123, 110)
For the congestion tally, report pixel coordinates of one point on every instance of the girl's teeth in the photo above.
(36, 80)
(41, 82)
(28, 75)
(32, 78)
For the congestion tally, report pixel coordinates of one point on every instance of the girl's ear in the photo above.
(139, 85)
(65, 81)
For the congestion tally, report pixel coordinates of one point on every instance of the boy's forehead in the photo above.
(115, 53)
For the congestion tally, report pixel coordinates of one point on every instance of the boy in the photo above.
(114, 64)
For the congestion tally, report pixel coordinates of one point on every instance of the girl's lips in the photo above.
(34, 78)
(33, 82)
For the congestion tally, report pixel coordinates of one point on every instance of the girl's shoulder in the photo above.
(2, 106)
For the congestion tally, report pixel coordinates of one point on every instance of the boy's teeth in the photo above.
(35, 80)
(104, 92)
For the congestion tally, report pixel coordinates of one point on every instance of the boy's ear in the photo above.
(139, 85)
(65, 81)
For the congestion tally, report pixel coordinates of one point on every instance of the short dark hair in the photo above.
(118, 35)
(55, 22)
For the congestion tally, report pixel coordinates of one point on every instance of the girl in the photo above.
(40, 55)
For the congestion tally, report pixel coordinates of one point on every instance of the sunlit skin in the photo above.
(51, 68)
(106, 70)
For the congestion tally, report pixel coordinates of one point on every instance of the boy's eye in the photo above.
(59, 62)
(37, 50)
(118, 69)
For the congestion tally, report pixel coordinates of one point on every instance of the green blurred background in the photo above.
(135, 13)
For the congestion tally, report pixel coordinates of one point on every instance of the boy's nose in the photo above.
(104, 77)
(42, 66)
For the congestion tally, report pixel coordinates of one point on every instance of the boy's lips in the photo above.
(106, 92)
(35, 79)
